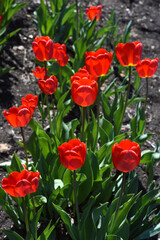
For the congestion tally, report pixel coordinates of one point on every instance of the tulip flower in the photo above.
(72, 154)
(20, 184)
(147, 67)
(98, 63)
(129, 54)
(126, 155)
(43, 48)
(18, 117)
(93, 12)
(84, 91)
(30, 101)
(48, 85)
(60, 55)
(39, 72)
(82, 73)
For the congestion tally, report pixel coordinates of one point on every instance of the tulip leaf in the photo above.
(149, 232)
(118, 115)
(12, 235)
(47, 231)
(16, 164)
(67, 221)
(86, 186)
(34, 223)
(113, 237)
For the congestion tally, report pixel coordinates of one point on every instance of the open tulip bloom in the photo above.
(147, 67)
(98, 63)
(126, 155)
(43, 48)
(30, 101)
(21, 184)
(39, 72)
(129, 54)
(93, 12)
(48, 85)
(18, 117)
(60, 55)
(72, 154)
(84, 91)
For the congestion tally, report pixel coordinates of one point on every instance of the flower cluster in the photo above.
(20, 117)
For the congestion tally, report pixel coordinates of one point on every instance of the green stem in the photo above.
(75, 198)
(34, 208)
(25, 147)
(98, 103)
(119, 201)
(50, 122)
(146, 93)
(126, 101)
(25, 215)
(45, 65)
(128, 90)
(77, 21)
(98, 107)
(83, 122)
(53, 105)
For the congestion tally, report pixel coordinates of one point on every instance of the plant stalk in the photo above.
(50, 122)
(25, 147)
(146, 94)
(83, 122)
(128, 90)
(75, 198)
(45, 65)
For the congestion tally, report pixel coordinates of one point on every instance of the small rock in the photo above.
(30, 36)
(4, 147)
(20, 48)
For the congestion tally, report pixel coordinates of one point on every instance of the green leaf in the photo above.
(38, 200)
(16, 164)
(47, 231)
(118, 115)
(67, 221)
(149, 232)
(34, 223)
(86, 186)
(9, 35)
(12, 235)
(113, 237)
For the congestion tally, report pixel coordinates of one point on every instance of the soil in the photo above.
(17, 53)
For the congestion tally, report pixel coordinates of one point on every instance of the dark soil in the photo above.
(145, 16)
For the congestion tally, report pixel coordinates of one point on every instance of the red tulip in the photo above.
(93, 12)
(147, 67)
(126, 155)
(18, 117)
(83, 73)
(39, 72)
(48, 85)
(43, 48)
(20, 184)
(60, 55)
(84, 91)
(129, 54)
(72, 154)
(30, 101)
(98, 63)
